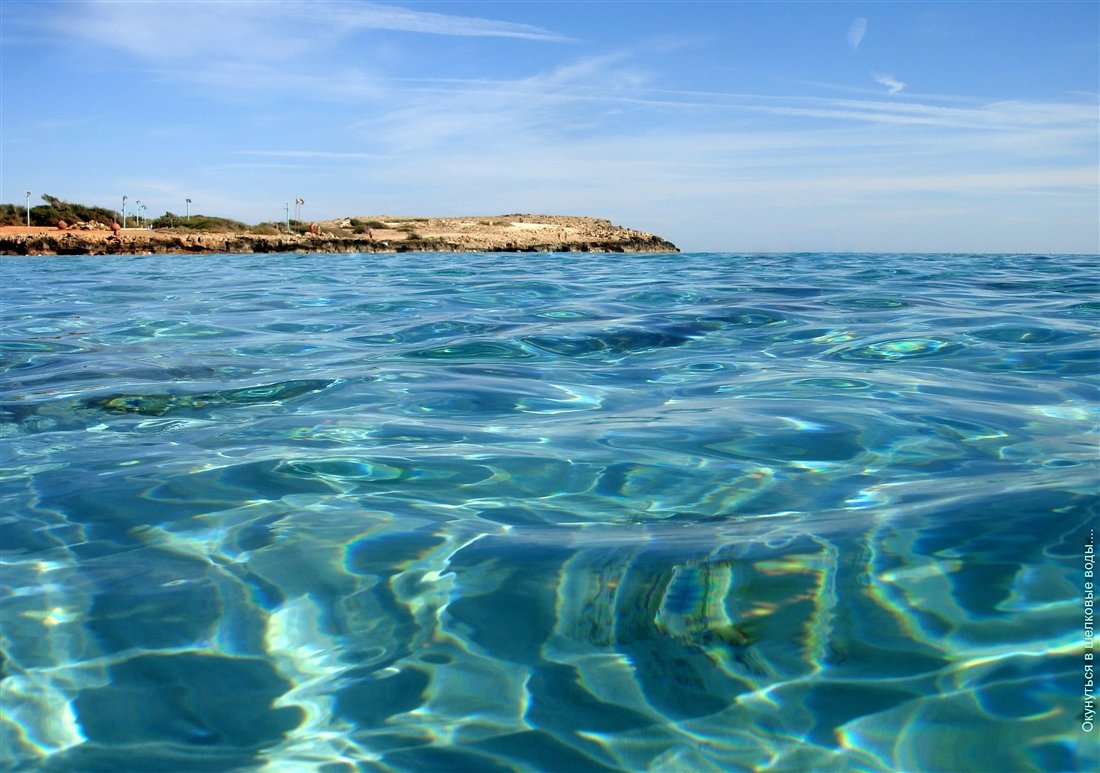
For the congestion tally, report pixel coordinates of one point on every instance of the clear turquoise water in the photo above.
(472, 512)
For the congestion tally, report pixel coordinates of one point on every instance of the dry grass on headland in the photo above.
(382, 233)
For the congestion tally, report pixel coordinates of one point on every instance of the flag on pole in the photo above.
(299, 202)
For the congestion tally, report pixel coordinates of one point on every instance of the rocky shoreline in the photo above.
(501, 233)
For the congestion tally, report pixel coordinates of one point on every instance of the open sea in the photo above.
(476, 513)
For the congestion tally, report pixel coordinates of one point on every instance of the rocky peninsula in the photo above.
(375, 233)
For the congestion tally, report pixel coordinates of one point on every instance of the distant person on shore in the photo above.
(115, 228)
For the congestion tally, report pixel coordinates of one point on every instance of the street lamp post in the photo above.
(139, 205)
(28, 209)
(189, 210)
(288, 217)
(123, 211)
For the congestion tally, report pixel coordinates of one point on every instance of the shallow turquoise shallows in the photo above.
(460, 513)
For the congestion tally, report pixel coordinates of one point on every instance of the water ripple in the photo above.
(899, 349)
(545, 512)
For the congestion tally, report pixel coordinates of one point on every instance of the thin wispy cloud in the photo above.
(247, 52)
(593, 88)
(889, 81)
(574, 96)
(486, 144)
(386, 17)
(258, 31)
(856, 31)
(319, 154)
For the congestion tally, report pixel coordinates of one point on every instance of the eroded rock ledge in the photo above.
(501, 233)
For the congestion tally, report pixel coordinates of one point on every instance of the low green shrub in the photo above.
(55, 209)
(203, 223)
(13, 214)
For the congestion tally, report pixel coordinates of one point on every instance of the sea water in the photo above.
(566, 512)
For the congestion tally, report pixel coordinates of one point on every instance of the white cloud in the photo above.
(258, 31)
(856, 32)
(248, 51)
(593, 91)
(889, 81)
(579, 96)
(384, 17)
(311, 154)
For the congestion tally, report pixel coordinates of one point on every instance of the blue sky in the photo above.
(769, 126)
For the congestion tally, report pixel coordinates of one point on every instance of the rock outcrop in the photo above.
(502, 233)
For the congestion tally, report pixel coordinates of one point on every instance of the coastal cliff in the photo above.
(501, 233)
